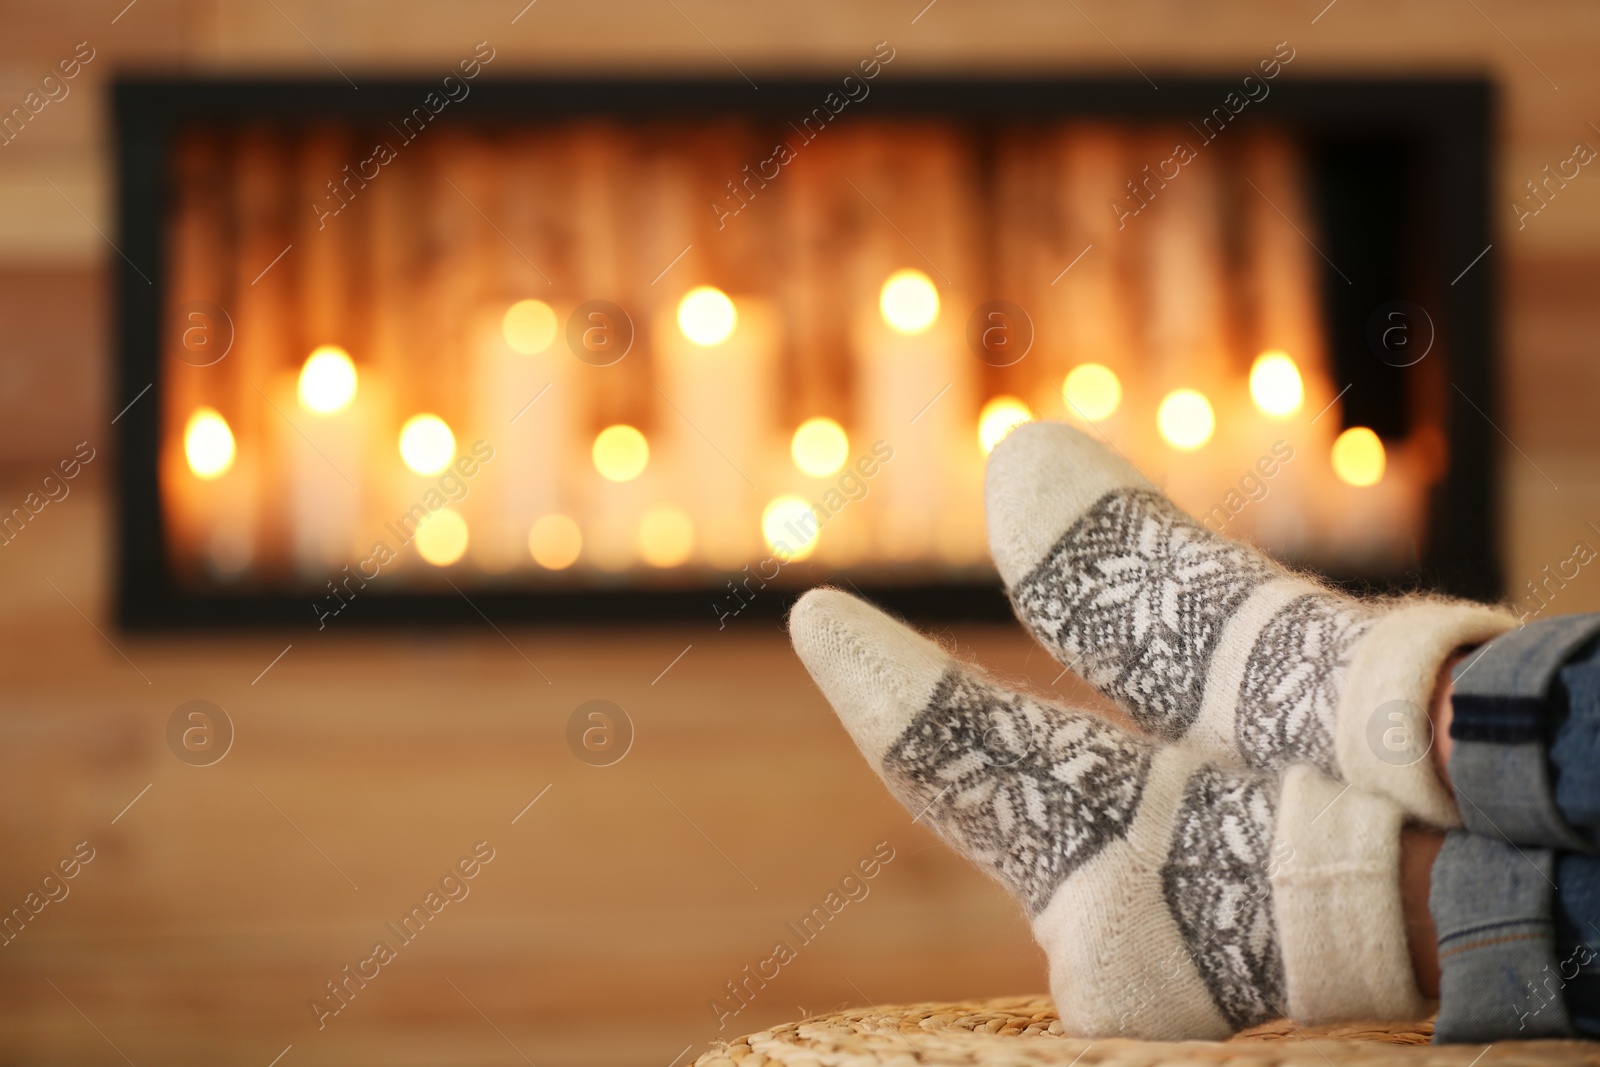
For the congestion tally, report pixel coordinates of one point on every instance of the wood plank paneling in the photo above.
(613, 912)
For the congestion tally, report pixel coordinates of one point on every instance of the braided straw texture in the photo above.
(1025, 1032)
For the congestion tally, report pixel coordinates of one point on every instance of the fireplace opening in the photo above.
(558, 353)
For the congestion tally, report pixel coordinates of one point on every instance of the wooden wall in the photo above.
(608, 920)
(615, 910)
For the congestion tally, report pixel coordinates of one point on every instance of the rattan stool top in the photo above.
(1025, 1032)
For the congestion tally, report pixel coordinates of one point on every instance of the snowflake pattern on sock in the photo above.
(1292, 680)
(1029, 791)
(1216, 884)
(1134, 597)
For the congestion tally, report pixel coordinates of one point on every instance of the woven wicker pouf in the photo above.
(1025, 1032)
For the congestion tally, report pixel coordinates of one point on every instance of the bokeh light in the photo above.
(666, 536)
(908, 302)
(790, 528)
(529, 326)
(1358, 457)
(820, 447)
(441, 537)
(1275, 385)
(327, 380)
(999, 417)
(620, 453)
(426, 443)
(208, 444)
(706, 315)
(1092, 391)
(555, 542)
(1185, 419)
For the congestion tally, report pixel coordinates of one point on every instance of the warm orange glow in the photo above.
(555, 542)
(1358, 457)
(1185, 419)
(908, 302)
(999, 417)
(426, 444)
(441, 538)
(620, 453)
(666, 536)
(706, 316)
(327, 381)
(1275, 385)
(529, 326)
(790, 527)
(208, 444)
(820, 447)
(1092, 391)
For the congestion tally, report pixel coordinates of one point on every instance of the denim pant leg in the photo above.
(1514, 737)
(1491, 905)
(1515, 889)
(1577, 938)
(1575, 747)
(1575, 760)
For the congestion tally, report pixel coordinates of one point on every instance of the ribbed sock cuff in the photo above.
(1383, 727)
(1336, 898)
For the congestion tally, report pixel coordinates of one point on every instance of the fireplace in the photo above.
(463, 347)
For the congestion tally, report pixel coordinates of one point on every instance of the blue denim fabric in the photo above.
(1510, 713)
(1575, 749)
(1516, 958)
(1575, 758)
(1577, 933)
(1497, 963)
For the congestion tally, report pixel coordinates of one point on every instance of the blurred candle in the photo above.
(327, 381)
(1282, 270)
(426, 443)
(1092, 392)
(718, 414)
(1358, 457)
(706, 316)
(913, 393)
(1275, 385)
(1185, 419)
(555, 542)
(666, 536)
(620, 453)
(999, 417)
(909, 302)
(323, 438)
(442, 538)
(211, 488)
(819, 447)
(527, 403)
(208, 444)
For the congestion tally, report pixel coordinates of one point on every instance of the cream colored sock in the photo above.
(1176, 896)
(1205, 641)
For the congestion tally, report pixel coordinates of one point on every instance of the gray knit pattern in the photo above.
(1292, 680)
(1029, 791)
(1216, 884)
(1133, 597)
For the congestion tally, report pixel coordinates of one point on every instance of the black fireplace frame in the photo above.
(1448, 122)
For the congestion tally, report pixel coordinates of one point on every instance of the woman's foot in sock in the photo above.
(1175, 896)
(1204, 640)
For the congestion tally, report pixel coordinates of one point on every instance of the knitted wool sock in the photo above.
(1204, 640)
(1175, 897)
